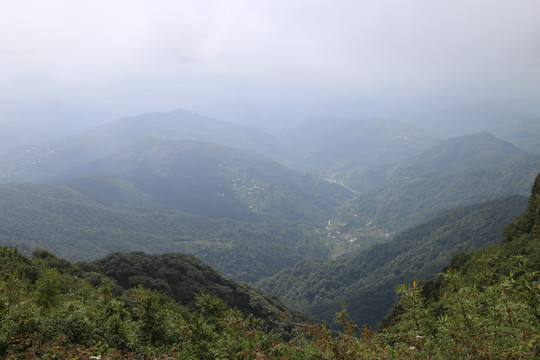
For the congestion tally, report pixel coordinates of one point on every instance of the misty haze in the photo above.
(269, 180)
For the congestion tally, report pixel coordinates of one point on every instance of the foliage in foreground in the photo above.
(46, 314)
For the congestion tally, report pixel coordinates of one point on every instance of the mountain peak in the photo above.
(472, 150)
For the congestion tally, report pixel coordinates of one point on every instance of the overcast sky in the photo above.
(133, 56)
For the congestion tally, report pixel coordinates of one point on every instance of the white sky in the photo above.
(136, 55)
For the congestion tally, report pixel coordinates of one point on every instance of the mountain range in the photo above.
(483, 305)
(457, 171)
(49, 161)
(212, 180)
(324, 211)
(518, 127)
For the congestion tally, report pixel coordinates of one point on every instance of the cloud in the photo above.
(244, 48)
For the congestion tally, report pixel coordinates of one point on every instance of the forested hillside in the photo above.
(484, 306)
(70, 225)
(244, 214)
(210, 180)
(365, 281)
(458, 171)
(485, 303)
(183, 278)
(49, 304)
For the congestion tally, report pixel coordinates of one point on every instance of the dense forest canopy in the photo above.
(365, 281)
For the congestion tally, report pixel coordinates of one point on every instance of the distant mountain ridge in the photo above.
(457, 171)
(518, 127)
(347, 149)
(24, 123)
(49, 162)
(212, 180)
(476, 149)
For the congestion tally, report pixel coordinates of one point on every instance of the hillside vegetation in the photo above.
(394, 206)
(458, 171)
(208, 179)
(485, 306)
(183, 277)
(70, 225)
(365, 281)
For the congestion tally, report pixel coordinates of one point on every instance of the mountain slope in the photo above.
(210, 180)
(332, 143)
(72, 226)
(24, 123)
(520, 128)
(183, 277)
(458, 171)
(491, 294)
(76, 303)
(365, 282)
(359, 153)
(49, 162)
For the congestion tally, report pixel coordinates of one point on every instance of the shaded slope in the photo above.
(210, 180)
(183, 277)
(72, 226)
(365, 282)
(358, 152)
